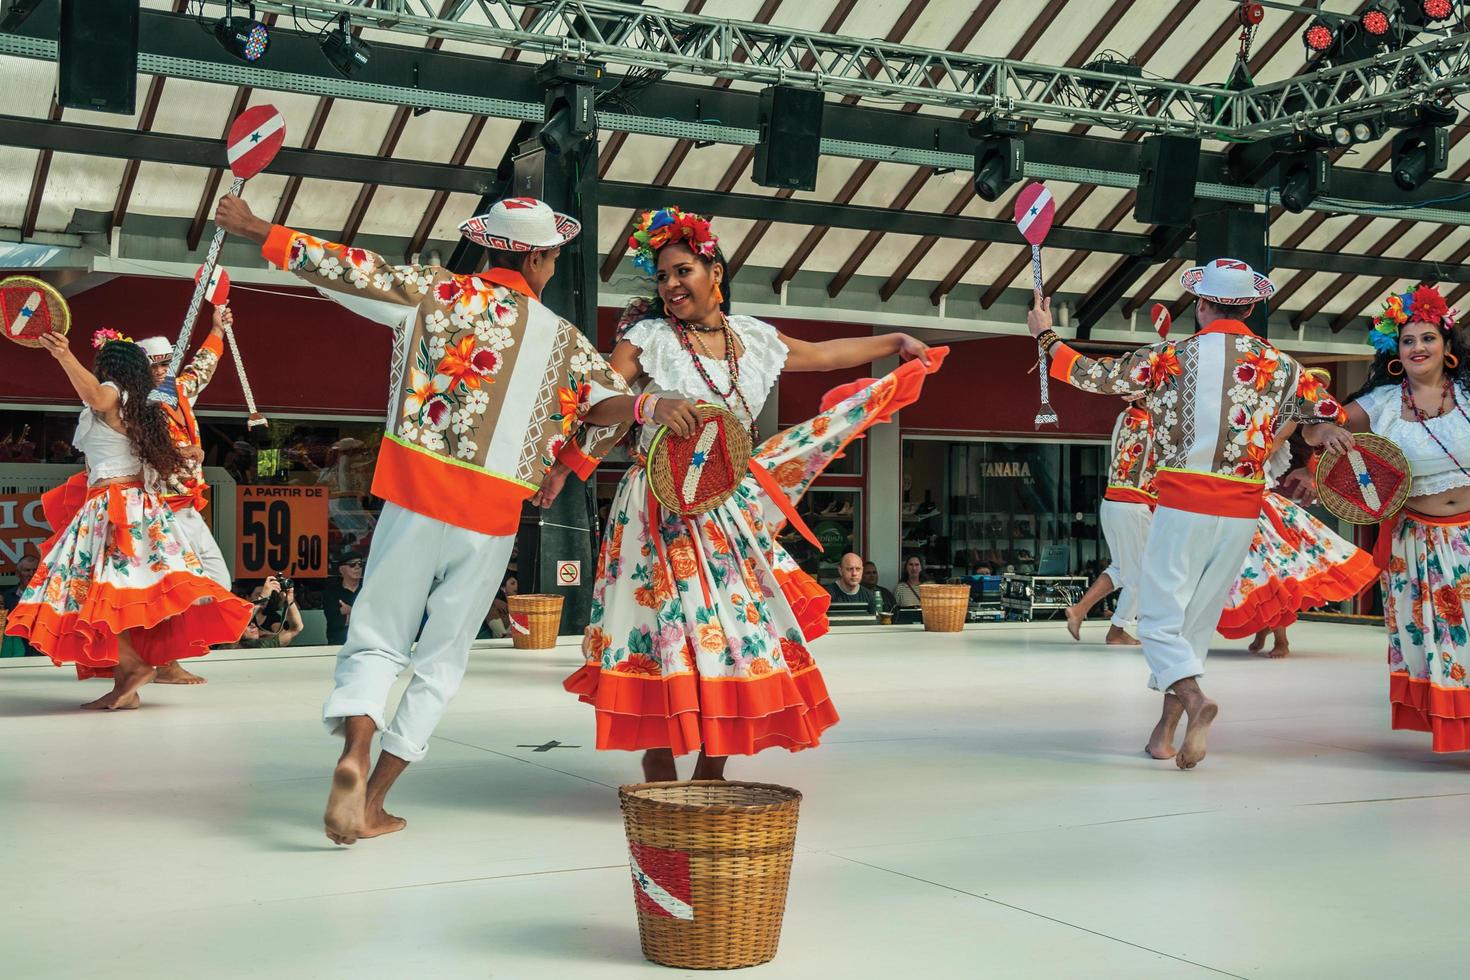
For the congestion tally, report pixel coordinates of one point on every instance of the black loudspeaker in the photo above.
(791, 138)
(1166, 176)
(98, 55)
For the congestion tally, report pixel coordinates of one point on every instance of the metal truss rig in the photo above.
(634, 36)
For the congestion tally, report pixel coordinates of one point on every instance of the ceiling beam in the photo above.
(1375, 291)
(38, 179)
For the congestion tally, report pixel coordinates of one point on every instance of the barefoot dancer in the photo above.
(1418, 395)
(491, 396)
(700, 626)
(1126, 512)
(119, 587)
(185, 492)
(1214, 399)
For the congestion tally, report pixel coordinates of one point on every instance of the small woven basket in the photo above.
(1384, 465)
(711, 863)
(722, 446)
(944, 607)
(535, 621)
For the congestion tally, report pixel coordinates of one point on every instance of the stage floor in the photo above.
(983, 809)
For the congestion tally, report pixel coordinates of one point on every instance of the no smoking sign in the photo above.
(568, 573)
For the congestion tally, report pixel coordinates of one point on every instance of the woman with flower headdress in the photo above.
(1417, 396)
(119, 587)
(700, 625)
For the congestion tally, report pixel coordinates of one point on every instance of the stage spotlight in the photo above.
(1304, 177)
(345, 51)
(1419, 154)
(1000, 157)
(1319, 36)
(1363, 131)
(1437, 10)
(1376, 24)
(244, 37)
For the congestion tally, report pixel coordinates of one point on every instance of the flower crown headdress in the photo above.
(1424, 305)
(107, 335)
(658, 228)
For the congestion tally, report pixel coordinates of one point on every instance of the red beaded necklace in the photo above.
(732, 367)
(1422, 417)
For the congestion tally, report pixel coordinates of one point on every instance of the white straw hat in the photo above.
(157, 348)
(1228, 282)
(520, 224)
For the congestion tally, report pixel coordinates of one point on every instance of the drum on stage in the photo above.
(1366, 485)
(30, 308)
(695, 474)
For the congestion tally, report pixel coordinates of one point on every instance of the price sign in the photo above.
(281, 531)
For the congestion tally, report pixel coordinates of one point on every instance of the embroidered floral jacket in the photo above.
(1215, 399)
(1131, 473)
(488, 387)
(187, 488)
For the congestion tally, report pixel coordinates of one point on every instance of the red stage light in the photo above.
(1438, 9)
(1375, 22)
(1319, 36)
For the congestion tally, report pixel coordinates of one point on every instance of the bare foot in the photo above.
(1259, 643)
(379, 822)
(1161, 742)
(1075, 615)
(347, 804)
(1275, 653)
(1202, 712)
(1119, 637)
(172, 673)
(658, 766)
(124, 693)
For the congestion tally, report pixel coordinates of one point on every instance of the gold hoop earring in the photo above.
(1452, 361)
(1395, 367)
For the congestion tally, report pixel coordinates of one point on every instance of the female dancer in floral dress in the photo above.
(1295, 563)
(118, 586)
(700, 626)
(1417, 395)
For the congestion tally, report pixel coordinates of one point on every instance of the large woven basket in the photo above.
(944, 607)
(1340, 486)
(711, 862)
(535, 621)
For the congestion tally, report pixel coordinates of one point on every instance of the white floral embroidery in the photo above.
(359, 278)
(330, 268)
(478, 401)
(437, 347)
(383, 280)
(493, 337)
(408, 431)
(436, 322)
(433, 441)
(581, 363)
(462, 318)
(464, 421)
(467, 449)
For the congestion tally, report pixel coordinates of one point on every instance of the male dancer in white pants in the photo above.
(1214, 399)
(488, 391)
(1125, 514)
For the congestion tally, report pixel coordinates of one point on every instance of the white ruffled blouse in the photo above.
(1433, 470)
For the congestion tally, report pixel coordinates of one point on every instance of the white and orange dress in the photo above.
(1295, 563)
(117, 562)
(700, 625)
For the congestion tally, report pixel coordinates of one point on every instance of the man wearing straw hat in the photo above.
(488, 391)
(1214, 400)
(186, 493)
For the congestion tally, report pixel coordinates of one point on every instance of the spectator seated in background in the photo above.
(848, 590)
(979, 572)
(277, 620)
(337, 598)
(907, 593)
(497, 621)
(870, 582)
(25, 570)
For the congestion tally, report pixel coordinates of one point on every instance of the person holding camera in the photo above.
(277, 619)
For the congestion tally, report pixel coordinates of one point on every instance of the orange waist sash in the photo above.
(1383, 547)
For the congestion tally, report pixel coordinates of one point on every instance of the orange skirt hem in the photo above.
(1276, 603)
(169, 619)
(1421, 706)
(687, 713)
(808, 600)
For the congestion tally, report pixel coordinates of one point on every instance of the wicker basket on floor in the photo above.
(711, 863)
(944, 607)
(535, 621)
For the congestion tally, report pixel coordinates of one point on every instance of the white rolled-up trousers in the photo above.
(191, 527)
(1125, 528)
(1190, 564)
(416, 565)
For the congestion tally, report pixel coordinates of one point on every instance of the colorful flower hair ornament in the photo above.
(658, 228)
(1425, 304)
(107, 335)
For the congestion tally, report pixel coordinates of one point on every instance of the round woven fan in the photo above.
(695, 474)
(1367, 485)
(30, 308)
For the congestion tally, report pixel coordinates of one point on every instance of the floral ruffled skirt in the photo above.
(1295, 563)
(700, 625)
(119, 564)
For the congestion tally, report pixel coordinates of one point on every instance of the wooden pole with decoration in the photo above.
(217, 294)
(1035, 210)
(255, 138)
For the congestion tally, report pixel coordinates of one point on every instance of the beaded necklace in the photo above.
(1422, 417)
(732, 366)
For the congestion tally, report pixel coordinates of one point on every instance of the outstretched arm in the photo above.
(1135, 373)
(194, 378)
(849, 352)
(98, 397)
